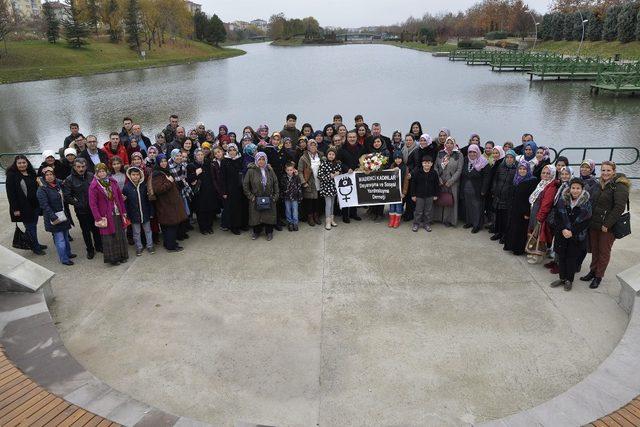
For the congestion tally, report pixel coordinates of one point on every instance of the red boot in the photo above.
(392, 220)
(397, 223)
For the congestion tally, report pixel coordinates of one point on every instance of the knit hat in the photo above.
(47, 153)
(101, 167)
(70, 150)
(397, 154)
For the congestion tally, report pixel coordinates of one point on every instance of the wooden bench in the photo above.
(25, 403)
(627, 416)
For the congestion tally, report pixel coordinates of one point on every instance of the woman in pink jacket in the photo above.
(109, 212)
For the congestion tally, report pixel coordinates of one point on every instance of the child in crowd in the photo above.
(424, 191)
(291, 188)
(395, 210)
(139, 208)
(329, 168)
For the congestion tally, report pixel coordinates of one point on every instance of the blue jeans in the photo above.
(291, 211)
(63, 247)
(32, 231)
(396, 208)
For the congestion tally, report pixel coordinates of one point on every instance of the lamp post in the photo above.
(536, 29)
(584, 21)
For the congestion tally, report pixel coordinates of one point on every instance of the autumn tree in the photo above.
(6, 23)
(92, 12)
(111, 17)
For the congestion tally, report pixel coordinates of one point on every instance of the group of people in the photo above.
(130, 190)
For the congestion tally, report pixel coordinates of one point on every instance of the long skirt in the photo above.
(114, 246)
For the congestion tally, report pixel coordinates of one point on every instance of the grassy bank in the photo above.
(290, 42)
(603, 49)
(39, 60)
(422, 46)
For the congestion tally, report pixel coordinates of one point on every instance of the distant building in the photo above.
(261, 24)
(26, 9)
(193, 7)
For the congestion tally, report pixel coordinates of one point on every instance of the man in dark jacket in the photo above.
(75, 132)
(290, 130)
(143, 141)
(376, 131)
(93, 155)
(76, 192)
(527, 137)
(127, 130)
(178, 140)
(170, 131)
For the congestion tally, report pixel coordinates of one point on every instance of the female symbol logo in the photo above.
(345, 188)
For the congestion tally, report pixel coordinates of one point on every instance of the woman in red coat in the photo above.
(541, 201)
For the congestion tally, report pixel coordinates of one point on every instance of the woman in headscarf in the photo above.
(56, 221)
(443, 134)
(474, 139)
(415, 130)
(308, 166)
(502, 189)
(519, 209)
(542, 160)
(494, 158)
(169, 207)
(263, 135)
(261, 181)
(152, 153)
(475, 184)
(160, 144)
(178, 169)
(22, 188)
(449, 164)
(565, 174)
(529, 155)
(588, 176)
(235, 214)
(110, 214)
(223, 137)
(396, 142)
(206, 197)
(248, 155)
(572, 215)
(541, 201)
(425, 148)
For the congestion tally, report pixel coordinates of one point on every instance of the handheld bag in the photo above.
(622, 227)
(535, 248)
(445, 199)
(263, 203)
(21, 240)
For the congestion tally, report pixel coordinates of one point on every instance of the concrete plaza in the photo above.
(353, 326)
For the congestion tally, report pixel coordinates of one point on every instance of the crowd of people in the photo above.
(130, 190)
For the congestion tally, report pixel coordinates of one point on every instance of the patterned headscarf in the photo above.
(543, 184)
(592, 166)
(263, 169)
(517, 179)
(480, 162)
(426, 137)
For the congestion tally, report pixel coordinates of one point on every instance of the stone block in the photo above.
(18, 274)
(630, 287)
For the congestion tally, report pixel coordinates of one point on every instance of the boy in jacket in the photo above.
(139, 208)
(424, 191)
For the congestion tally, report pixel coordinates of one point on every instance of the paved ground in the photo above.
(359, 325)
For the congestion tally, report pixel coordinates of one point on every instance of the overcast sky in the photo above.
(340, 13)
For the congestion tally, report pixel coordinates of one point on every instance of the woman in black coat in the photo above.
(349, 155)
(236, 207)
(502, 192)
(206, 201)
(22, 187)
(515, 237)
(475, 184)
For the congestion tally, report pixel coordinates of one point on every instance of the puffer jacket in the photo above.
(139, 208)
(611, 201)
(575, 219)
(76, 191)
(51, 200)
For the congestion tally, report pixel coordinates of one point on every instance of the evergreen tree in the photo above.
(75, 30)
(132, 25)
(638, 26)
(93, 13)
(627, 22)
(216, 33)
(594, 27)
(52, 24)
(546, 27)
(570, 22)
(558, 27)
(610, 24)
(200, 25)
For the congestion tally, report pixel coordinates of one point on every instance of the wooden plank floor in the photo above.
(627, 416)
(25, 403)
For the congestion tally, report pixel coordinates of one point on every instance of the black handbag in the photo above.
(622, 227)
(263, 203)
(21, 240)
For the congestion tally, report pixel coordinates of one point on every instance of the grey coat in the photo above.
(451, 174)
(252, 186)
(306, 176)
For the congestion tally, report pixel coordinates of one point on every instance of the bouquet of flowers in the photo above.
(372, 162)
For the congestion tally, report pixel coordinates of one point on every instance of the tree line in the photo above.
(210, 30)
(282, 28)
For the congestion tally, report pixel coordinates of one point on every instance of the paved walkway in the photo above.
(335, 328)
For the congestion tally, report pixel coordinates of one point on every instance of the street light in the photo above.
(536, 28)
(584, 21)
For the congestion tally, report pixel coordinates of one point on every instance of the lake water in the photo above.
(384, 83)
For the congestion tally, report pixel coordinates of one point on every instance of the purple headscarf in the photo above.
(263, 170)
(517, 179)
(480, 162)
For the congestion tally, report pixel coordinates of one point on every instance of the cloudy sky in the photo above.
(340, 13)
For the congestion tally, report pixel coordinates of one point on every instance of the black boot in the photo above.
(595, 282)
(557, 283)
(588, 277)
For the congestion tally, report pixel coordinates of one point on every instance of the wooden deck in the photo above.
(25, 403)
(627, 416)
(595, 88)
(564, 75)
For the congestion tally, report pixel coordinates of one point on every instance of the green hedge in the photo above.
(472, 44)
(496, 35)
